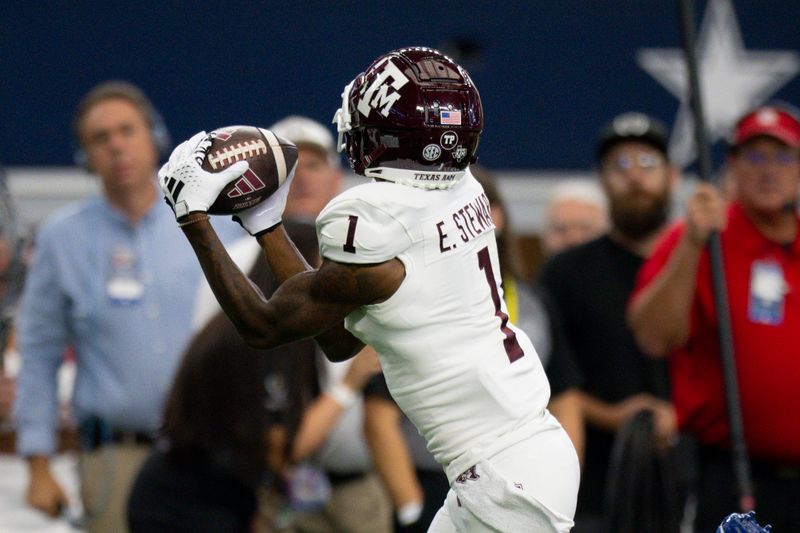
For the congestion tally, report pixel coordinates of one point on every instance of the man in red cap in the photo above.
(672, 313)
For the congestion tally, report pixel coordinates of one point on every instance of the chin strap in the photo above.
(365, 161)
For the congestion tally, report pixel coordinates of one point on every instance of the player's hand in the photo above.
(44, 493)
(266, 214)
(705, 213)
(187, 187)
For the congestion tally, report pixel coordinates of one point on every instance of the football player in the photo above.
(410, 267)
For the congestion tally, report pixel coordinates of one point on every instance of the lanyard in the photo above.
(510, 293)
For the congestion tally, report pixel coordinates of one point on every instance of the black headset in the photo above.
(158, 128)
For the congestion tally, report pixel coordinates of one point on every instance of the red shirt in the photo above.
(767, 354)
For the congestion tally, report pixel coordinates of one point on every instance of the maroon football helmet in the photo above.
(413, 117)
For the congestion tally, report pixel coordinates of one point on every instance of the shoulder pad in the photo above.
(353, 230)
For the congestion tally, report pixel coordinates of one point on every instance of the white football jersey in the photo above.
(463, 374)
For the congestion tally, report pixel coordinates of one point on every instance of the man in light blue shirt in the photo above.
(113, 277)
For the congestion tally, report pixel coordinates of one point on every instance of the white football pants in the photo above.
(531, 486)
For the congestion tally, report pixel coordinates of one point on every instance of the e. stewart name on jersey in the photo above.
(470, 220)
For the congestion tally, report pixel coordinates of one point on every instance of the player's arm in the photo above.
(189, 191)
(286, 261)
(307, 304)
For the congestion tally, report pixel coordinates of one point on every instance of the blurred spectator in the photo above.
(727, 182)
(112, 277)
(7, 382)
(673, 313)
(415, 482)
(330, 439)
(7, 392)
(590, 285)
(13, 250)
(231, 418)
(576, 212)
(203, 475)
(15, 515)
(318, 177)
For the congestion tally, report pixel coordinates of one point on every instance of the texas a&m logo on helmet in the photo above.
(382, 93)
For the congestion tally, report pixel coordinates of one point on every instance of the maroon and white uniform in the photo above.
(470, 380)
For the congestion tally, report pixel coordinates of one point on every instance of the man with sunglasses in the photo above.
(590, 285)
(673, 313)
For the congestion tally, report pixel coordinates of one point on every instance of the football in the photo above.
(271, 160)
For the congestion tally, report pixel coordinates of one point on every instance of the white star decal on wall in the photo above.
(732, 79)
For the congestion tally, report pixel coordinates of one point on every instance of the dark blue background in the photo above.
(550, 72)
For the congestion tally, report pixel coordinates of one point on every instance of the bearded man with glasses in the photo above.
(590, 285)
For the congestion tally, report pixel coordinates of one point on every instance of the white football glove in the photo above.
(267, 214)
(187, 187)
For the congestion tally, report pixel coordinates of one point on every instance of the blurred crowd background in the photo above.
(551, 74)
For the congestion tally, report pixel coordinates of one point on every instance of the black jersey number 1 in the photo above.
(513, 349)
(351, 235)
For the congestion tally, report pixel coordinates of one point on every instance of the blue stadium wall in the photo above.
(550, 71)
